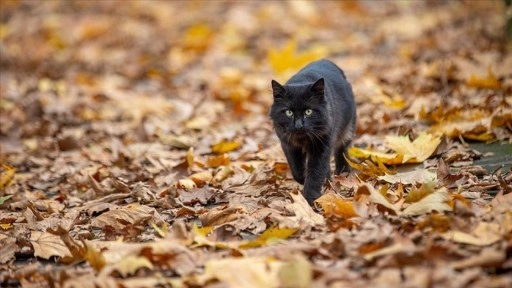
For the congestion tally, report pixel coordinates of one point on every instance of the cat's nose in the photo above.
(299, 124)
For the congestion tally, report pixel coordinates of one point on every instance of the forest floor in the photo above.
(137, 151)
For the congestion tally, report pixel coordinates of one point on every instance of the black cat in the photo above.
(314, 114)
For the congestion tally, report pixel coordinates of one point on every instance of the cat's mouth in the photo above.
(299, 133)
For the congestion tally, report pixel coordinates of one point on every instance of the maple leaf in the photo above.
(270, 236)
(416, 151)
(288, 59)
(434, 201)
(334, 205)
(47, 245)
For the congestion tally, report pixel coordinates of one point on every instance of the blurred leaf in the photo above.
(366, 191)
(47, 245)
(334, 205)
(411, 177)
(6, 177)
(225, 146)
(130, 264)
(416, 151)
(270, 236)
(4, 198)
(490, 81)
(416, 194)
(288, 58)
(435, 201)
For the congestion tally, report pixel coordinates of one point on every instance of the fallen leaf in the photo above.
(435, 201)
(225, 146)
(6, 176)
(416, 151)
(490, 81)
(130, 264)
(251, 272)
(288, 59)
(416, 194)
(411, 177)
(367, 191)
(270, 236)
(47, 245)
(334, 205)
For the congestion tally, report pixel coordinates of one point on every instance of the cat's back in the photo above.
(319, 69)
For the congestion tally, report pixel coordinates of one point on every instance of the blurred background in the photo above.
(156, 68)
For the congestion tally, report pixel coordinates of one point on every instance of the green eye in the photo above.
(289, 113)
(308, 112)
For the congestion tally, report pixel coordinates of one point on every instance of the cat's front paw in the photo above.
(299, 179)
(311, 196)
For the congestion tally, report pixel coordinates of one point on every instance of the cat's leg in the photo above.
(295, 159)
(341, 162)
(318, 167)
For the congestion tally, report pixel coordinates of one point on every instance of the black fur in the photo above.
(309, 140)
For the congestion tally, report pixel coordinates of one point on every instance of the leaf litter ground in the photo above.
(136, 150)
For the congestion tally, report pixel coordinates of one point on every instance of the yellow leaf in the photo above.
(187, 184)
(270, 236)
(416, 151)
(288, 59)
(225, 146)
(200, 239)
(374, 196)
(417, 194)
(222, 174)
(411, 177)
(201, 178)
(130, 264)
(386, 158)
(484, 234)
(435, 201)
(190, 157)
(490, 81)
(94, 257)
(6, 176)
(250, 272)
(334, 205)
(296, 273)
(218, 160)
(197, 37)
(6, 226)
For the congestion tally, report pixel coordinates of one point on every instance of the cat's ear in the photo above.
(277, 89)
(318, 87)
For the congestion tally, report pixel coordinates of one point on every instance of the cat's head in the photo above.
(300, 110)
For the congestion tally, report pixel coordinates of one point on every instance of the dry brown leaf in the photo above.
(435, 201)
(334, 205)
(484, 234)
(366, 191)
(130, 264)
(251, 272)
(303, 213)
(47, 245)
(131, 214)
(411, 177)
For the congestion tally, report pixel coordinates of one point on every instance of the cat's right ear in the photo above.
(278, 89)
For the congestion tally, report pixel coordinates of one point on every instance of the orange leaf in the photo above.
(334, 205)
(225, 146)
(490, 81)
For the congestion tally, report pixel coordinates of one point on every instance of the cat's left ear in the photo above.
(318, 87)
(278, 89)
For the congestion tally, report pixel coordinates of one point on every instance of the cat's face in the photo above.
(299, 111)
